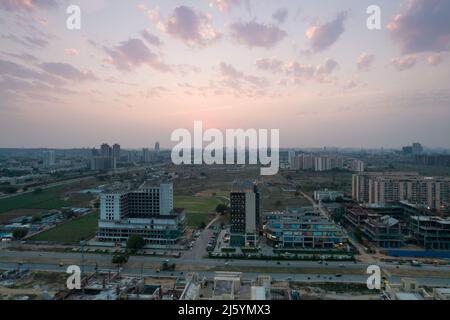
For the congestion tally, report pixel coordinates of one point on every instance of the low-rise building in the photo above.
(327, 195)
(383, 231)
(409, 289)
(431, 232)
(302, 228)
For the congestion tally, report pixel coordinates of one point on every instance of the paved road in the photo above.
(198, 251)
(194, 260)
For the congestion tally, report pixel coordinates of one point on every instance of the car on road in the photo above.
(416, 263)
(338, 275)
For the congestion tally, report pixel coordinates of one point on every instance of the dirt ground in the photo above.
(5, 217)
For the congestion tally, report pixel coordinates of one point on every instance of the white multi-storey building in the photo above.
(147, 212)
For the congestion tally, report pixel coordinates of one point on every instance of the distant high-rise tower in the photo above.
(417, 148)
(49, 158)
(157, 147)
(105, 150)
(146, 156)
(116, 152)
(105, 159)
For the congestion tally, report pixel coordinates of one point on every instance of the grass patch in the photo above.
(198, 209)
(73, 231)
(47, 199)
(197, 204)
(194, 219)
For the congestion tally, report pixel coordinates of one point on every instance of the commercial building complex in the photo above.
(431, 232)
(302, 228)
(383, 231)
(384, 188)
(388, 226)
(147, 212)
(245, 208)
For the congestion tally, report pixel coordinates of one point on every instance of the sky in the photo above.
(137, 70)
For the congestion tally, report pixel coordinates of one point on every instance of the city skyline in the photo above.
(138, 70)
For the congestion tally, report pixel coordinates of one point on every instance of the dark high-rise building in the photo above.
(105, 159)
(105, 150)
(157, 147)
(116, 152)
(245, 207)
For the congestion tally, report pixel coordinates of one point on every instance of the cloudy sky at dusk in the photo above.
(139, 69)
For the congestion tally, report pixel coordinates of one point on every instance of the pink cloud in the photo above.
(28, 5)
(322, 36)
(71, 52)
(192, 27)
(435, 59)
(404, 63)
(134, 53)
(423, 26)
(364, 61)
(254, 34)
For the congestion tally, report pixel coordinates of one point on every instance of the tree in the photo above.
(202, 225)
(36, 219)
(20, 234)
(120, 259)
(135, 242)
(222, 208)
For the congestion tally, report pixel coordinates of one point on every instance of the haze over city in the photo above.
(311, 69)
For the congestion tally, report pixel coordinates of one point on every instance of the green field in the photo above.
(47, 199)
(197, 204)
(197, 208)
(195, 219)
(74, 230)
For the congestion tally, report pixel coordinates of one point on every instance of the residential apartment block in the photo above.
(384, 188)
(316, 163)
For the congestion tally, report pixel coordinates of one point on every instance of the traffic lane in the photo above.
(217, 262)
